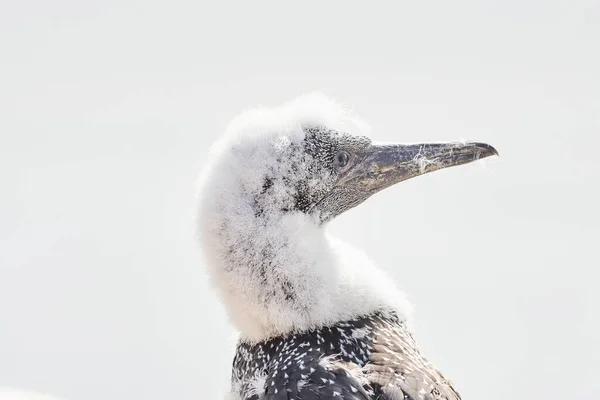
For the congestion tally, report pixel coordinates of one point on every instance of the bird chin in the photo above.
(330, 207)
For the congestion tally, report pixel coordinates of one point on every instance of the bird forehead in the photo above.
(306, 140)
(324, 138)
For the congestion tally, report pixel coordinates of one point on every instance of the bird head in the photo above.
(312, 157)
(354, 168)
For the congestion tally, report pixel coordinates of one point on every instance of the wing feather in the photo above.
(310, 378)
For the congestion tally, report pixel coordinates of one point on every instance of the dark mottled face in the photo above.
(335, 152)
(331, 171)
(322, 160)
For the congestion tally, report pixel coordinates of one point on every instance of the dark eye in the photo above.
(342, 159)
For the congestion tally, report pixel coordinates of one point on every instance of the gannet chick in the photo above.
(318, 320)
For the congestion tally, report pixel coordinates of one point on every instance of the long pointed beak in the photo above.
(381, 166)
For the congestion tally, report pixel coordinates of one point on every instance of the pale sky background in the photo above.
(106, 112)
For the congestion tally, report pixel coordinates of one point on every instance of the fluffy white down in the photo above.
(331, 280)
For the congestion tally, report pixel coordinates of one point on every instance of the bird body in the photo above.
(370, 357)
(318, 319)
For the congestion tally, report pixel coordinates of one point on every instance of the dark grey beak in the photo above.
(381, 166)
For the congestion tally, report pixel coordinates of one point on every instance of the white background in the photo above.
(106, 112)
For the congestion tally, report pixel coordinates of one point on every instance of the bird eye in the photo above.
(342, 159)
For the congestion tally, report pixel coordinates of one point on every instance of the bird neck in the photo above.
(285, 274)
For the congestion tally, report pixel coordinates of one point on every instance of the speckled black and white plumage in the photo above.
(372, 357)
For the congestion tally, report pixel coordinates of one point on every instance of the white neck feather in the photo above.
(290, 275)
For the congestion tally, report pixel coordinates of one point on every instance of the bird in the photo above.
(317, 319)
